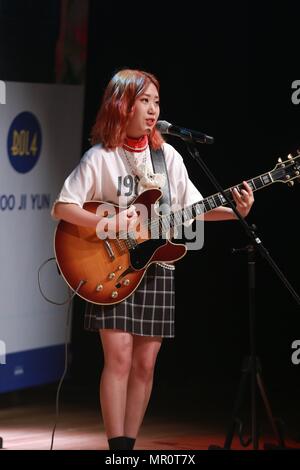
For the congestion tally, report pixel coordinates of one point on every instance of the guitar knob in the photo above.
(114, 294)
(279, 160)
(99, 287)
(111, 276)
(290, 156)
(126, 282)
(119, 268)
(290, 183)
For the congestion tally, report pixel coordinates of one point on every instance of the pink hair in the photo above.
(117, 103)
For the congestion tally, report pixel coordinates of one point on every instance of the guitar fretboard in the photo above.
(175, 219)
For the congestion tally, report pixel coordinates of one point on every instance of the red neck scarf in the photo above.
(136, 145)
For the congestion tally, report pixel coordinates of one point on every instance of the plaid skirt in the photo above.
(149, 311)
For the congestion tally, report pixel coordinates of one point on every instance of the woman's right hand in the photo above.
(124, 221)
(110, 225)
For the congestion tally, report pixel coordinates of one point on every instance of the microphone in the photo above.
(165, 127)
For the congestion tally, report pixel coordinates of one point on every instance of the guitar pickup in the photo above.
(109, 249)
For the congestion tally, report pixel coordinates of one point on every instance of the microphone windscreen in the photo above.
(163, 126)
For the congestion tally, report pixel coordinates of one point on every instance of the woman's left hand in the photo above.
(243, 199)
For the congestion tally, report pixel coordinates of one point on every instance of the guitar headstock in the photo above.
(287, 171)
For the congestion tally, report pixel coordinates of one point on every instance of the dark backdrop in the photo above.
(225, 69)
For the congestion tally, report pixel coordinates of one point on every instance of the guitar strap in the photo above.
(159, 166)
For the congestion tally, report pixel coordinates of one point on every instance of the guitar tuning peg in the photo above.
(290, 156)
(290, 184)
(279, 160)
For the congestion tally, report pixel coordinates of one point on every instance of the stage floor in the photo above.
(80, 427)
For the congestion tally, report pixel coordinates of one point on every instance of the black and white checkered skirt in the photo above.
(149, 311)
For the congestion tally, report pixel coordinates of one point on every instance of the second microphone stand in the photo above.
(251, 364)
(251, 369)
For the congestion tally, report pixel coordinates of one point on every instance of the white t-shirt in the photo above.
(105, 175)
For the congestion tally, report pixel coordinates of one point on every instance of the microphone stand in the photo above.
(251, 365)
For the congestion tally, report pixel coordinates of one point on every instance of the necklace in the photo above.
(147, 179)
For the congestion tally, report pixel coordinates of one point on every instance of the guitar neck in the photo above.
(177, 218)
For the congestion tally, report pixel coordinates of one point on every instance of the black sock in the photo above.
(118, 443)
(130, 442)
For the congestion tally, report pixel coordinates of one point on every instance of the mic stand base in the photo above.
(247, 370)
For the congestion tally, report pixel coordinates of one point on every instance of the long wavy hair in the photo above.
(117, 106)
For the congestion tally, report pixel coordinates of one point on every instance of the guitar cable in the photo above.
(69, 302)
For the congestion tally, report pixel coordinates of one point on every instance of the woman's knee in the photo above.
(143, 369)
(117, 350)
(144, 360)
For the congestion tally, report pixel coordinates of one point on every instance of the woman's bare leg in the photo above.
(117, 347)
(144, 353)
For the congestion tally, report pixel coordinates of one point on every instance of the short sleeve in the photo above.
(183, 192)
(79, 186)
(188, 191)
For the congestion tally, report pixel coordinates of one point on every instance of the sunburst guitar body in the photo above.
(111, 269)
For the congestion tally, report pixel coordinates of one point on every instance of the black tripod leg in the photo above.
(275, 428)
(238, 403)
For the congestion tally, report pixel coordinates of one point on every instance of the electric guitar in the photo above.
(107, 271)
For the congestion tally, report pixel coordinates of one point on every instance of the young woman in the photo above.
(116, 168)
